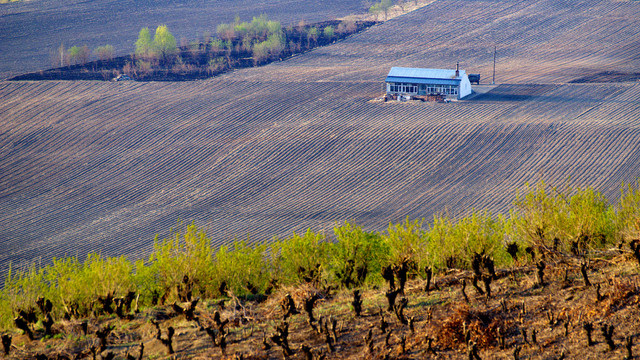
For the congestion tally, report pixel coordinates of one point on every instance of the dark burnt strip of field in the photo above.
(195, 60)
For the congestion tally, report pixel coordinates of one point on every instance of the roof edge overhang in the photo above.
(400, 79)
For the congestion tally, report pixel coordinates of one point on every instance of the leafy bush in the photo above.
(297, 257)
(187, 253)
(627, 212)
(356, 256)
(576, 217)
(407, 241)
(243, 268)
(452, 244)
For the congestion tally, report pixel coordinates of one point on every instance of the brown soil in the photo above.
(563, 305)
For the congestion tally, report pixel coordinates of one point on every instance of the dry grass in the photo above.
(442, 315)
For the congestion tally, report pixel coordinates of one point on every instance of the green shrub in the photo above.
(573, 216)
(452, 245)
(407, 241)
(627, 212)
(243, 267)
(298, 256)
(187, 253)
(356, 256)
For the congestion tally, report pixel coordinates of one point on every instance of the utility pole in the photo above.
(495, 49)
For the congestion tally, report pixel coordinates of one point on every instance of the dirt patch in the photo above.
(607, 76)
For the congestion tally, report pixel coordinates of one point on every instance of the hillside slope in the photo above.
(266, 151)
(30, 30)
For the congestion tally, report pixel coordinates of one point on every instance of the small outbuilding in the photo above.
(452, 84)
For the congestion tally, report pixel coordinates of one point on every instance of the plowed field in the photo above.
(93, 166)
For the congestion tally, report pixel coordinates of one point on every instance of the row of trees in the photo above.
(258, 41)
(544, 220)
(234, 45)
(78, 55)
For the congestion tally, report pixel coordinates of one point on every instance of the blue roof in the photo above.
(424, 76)
(397, 79)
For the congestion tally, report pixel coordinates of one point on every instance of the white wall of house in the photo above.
(465, 87)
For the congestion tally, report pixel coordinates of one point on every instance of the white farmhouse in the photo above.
(453, 84)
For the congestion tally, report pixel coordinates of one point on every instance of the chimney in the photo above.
(457, 69)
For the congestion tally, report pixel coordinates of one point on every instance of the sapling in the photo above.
(387, 274)
(281, 338)
(399, 310)
(22, 324)
(48, 323)
(599, 297)
(501, 337)
(541, 266)
(430, 346)
(403, 344)
(474, 282)
(102, 334)
(534, 336)
(487, 284)
(383, 323)
(308, 355)
(401, 273)
(472, 351)
(512, 249)
(288, 306)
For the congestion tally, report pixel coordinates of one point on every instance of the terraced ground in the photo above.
(92, 166)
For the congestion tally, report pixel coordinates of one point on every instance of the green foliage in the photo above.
(356, 253)
(164, 42)
(144, 45)
(328, 32)
(298, 255)
(217, 45)
(67, 282)
(243, 267)
(627, 212)
(312, 34)
(354, 258)
(406, 241)
(570, 215)
(273, 46)
(452, 244)
(381, 7)
(187, 253)
(78, 54)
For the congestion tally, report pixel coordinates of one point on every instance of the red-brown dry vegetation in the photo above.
(88, 166)
(541, 321)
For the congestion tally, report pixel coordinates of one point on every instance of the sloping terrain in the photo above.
(520, 316)
(92, 166)
(30, 30)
